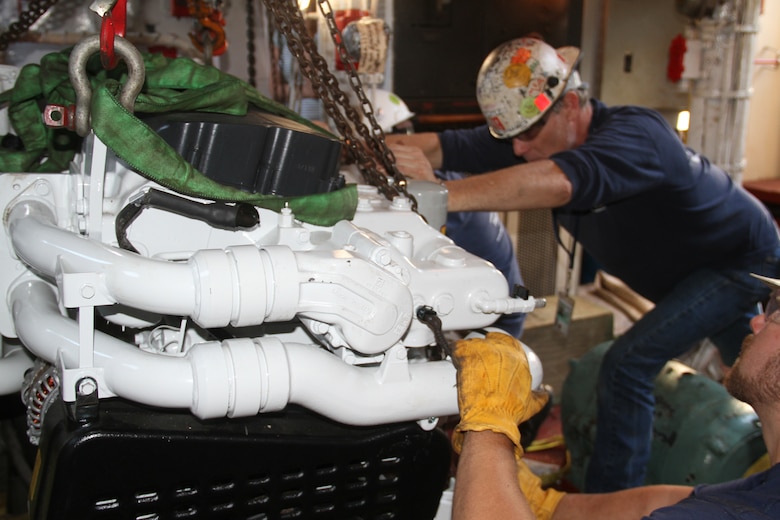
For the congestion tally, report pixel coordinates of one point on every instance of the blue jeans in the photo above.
(715, 304)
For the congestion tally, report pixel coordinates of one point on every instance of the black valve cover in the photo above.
(258, 153)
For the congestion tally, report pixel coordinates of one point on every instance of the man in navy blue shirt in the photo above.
(493, 483)
(672, 226)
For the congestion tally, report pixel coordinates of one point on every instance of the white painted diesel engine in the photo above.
(188, 358)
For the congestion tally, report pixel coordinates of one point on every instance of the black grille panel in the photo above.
(144, 464)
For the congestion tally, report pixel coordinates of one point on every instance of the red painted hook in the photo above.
(114, 23)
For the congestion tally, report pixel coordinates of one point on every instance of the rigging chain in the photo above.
(17, 29)
(289, 21)
(250, 42)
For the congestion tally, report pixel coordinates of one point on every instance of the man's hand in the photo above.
(412, 163)
(494, 394)
(494, 387)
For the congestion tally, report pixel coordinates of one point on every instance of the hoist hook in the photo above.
(211, 34)
(113, 14)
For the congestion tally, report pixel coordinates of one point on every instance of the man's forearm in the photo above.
(538, 184)
(486, 481)
(628, 504)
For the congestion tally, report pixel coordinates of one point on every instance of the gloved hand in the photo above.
(494, 387)
(542, 501)
(494, 393)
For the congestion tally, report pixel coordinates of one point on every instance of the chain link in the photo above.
(250, 42)
(372, 147)
(17, 29)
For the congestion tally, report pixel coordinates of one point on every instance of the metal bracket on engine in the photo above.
(91, 210)
(84, 292)
(394, 366)
(428, 424)
(76, 383)
(87, 403)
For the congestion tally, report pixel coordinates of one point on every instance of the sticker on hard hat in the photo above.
(528, 109)
(535, 87)
(495, 122)
(521, 56)
(542, 102)
(517, 75)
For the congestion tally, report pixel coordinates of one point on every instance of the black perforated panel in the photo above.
(144, 464)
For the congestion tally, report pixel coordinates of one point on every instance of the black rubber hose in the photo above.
(220, 215)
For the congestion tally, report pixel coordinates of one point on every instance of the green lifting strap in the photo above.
(171, 84)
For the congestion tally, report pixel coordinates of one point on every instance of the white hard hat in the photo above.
(520, 80)
(389, 110)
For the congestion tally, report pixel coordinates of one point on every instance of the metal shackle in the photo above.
(77, 69)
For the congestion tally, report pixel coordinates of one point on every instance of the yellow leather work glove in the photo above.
(494, 387)
(542, 501)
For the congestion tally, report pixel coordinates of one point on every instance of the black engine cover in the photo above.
(258, 152)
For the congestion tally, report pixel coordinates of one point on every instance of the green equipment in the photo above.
(700, 433)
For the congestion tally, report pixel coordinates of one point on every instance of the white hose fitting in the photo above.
(508, 305)
(244, 285)
(234, 378)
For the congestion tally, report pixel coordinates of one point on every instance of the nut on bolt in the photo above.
(86, 386)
